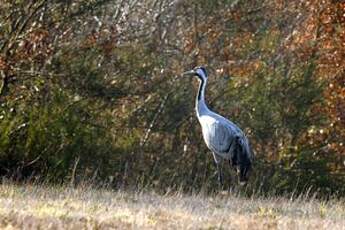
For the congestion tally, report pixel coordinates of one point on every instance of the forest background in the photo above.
(91, 90)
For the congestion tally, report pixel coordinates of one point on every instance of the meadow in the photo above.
(84, 207)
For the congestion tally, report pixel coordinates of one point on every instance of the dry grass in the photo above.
(41, 207)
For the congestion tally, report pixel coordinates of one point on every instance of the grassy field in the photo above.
(43, 207)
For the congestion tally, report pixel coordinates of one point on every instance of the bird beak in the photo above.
(188, 73)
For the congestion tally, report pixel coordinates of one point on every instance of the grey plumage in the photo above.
(224, 138)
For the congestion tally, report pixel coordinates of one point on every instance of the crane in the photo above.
(224, 138)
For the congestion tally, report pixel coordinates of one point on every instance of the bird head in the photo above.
(199, 72)
(242, 160)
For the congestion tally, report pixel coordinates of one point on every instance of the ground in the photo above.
(46, 207)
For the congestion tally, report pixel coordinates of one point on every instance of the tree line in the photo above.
(91, 90)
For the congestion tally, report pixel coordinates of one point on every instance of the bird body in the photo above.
(224, 138)
(218, 134)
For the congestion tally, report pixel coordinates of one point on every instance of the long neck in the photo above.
(200, 105)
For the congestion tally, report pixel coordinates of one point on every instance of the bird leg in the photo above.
(231, 166)
(217, 160)
(220, 174)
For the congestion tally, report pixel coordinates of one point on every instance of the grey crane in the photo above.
(225, 139)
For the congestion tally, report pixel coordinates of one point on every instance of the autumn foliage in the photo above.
(91, 90)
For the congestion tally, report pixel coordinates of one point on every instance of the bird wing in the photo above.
(218, 136)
